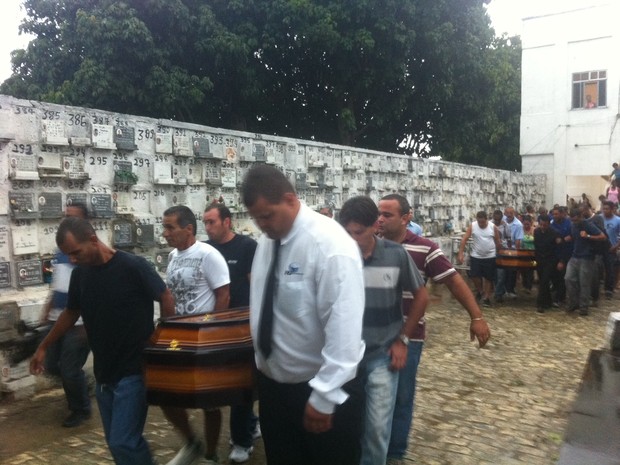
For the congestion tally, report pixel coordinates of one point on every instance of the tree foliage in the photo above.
(368, 73)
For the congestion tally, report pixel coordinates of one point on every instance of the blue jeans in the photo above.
(380, 385)
(123, 410)
(500, 282)
(242, 424)
(578, 281)
(405, 397)
(65, 358)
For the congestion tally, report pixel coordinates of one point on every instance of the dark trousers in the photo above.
(242, 424)
(610, 272)
(546, 270)
(281, 411)
(559, 286)
(527, 279)
(65, 358)
(597, 272)
(511, 280)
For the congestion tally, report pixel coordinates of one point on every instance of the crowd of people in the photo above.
(336, 315)
(574, 252)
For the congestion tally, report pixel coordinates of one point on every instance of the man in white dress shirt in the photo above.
(307, 330)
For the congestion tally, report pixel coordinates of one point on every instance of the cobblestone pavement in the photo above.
(506, 404)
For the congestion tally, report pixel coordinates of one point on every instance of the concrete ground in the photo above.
(506, 404)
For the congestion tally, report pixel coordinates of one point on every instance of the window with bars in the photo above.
(589, 89)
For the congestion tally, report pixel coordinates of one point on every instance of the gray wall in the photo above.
(129, 169)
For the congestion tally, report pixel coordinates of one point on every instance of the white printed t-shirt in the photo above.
(193, 274)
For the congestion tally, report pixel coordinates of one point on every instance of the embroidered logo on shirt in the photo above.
(293, 268)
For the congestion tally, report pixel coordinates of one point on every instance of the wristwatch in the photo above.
(404, 339)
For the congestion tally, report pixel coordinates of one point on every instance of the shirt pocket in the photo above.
(291, 298)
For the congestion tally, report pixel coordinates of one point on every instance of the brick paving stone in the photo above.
(506, 404)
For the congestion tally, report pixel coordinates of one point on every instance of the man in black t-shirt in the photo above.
(546, 246)
(113, 291)
(238, 250)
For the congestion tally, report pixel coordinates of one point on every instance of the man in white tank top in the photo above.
(484, 246)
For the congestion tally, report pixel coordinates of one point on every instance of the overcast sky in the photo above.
(505, 14)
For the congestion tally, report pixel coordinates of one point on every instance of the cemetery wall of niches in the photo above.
(129, 169)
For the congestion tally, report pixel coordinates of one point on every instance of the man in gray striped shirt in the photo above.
(388, 272)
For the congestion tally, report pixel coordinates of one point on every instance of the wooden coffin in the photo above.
(511, 258)
(204, 360)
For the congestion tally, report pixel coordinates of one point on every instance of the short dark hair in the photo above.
(526, 218)
(482, 215)
(267, 182)
(609, 203)
(575, 212)
(498, 212)
(545, 218)
(222, 210)
(80, 228)
(184, 216)
(402, 202)
(360, 209)
(80, 206)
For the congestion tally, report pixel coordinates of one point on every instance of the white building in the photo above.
(570, 128)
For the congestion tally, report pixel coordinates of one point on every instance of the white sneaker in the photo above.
(189, 454)
(240, 454)
(257, 432)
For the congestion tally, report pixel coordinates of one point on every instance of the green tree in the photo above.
(367, 73)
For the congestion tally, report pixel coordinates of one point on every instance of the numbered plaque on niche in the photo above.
(163, 142)
(53, 133)
(103, 136)
(123, 173)
(5, 274)
(230, 199)
(125, 138)
(180, 173)
(123, 234)
(177, 198)
(78, 198)
(182, 146)
(195, 174)
(101, 206)
(121, 202)
(246, 152)
(50, 162)
(22, 205)
(29, 272)
(229, 176)
(5, 250)
(74, 168)
(201, 147)
(162, 173)
(23, 167)
(25, 239)
(213, 175)
(259, 152)
(50, 204)
(145, 235)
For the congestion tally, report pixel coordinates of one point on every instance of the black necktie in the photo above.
(266, 320)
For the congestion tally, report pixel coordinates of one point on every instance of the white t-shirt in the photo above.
(483, 244)
(192, 275)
